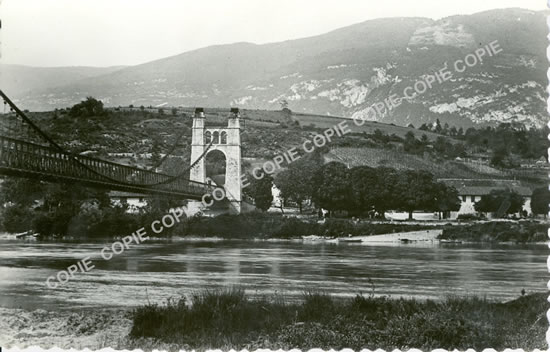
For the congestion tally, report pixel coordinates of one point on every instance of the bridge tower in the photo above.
(228, 141)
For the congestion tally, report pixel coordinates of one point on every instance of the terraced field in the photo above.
(374, 157)
(368, 127)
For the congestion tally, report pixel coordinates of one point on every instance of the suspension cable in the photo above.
(75, 158)
(169, 151)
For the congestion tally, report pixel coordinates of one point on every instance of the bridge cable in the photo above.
(75, 158)
(181, 174)
(170, 151)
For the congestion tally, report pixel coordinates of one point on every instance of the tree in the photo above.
(446, 199)
(424, 127)
(459, 150)
(411, 144)
(440, 145)
(155, 152)
(437, 128)
(87, 108)
(540, 200)
(287, 113)
(69, 198)
(500, 202)
(21, 191)
(380, 136)
(499, 156)
(174, 111)
(363, 180)
(415, 191)
(16, 218)
(296, 182)
(260, 191)
(385, 190)
(332, 187)
(157, 204)
(424, 139)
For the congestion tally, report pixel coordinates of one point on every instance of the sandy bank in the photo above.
(92, 329)
(422, 235)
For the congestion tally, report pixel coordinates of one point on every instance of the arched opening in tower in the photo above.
(215, 165)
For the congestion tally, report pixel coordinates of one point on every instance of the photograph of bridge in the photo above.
(242, 175)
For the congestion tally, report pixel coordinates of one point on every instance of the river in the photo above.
(154, 272)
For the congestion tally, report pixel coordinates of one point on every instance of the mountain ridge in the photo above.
(344, 71)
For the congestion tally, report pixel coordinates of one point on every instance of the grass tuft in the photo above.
(229, 319)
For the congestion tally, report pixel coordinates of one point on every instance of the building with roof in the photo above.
(470, 191)
(135, 201)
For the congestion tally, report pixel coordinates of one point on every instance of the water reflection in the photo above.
(157, 271)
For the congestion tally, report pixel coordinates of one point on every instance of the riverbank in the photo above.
(264, 226)
(497, 232)
(398, 237)
(230, 319)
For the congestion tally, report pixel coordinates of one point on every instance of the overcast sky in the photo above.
(128, 32)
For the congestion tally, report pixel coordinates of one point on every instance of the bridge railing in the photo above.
(17, 154)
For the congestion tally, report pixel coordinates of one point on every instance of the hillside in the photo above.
(130, 135)
(18, 79)
(125, 131)
(345, 71)
(440, 168)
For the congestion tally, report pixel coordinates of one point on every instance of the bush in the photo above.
(471, 217)
(264, 225)
(521, 232)
(87, 108)
(16, 218)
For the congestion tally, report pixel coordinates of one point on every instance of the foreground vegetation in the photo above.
(520, 232)
(230, 319)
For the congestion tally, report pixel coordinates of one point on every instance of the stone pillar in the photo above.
(197, 173)
(233, 160)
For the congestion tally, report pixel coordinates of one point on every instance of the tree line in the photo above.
(370, 192)
(62, 209)
(362, 190)
(504, 141)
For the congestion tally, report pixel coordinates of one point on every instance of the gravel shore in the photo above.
(422, 235)
(92, 329)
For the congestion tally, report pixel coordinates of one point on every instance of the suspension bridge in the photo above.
(27, 151)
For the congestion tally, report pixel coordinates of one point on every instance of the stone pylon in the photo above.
(228, 141)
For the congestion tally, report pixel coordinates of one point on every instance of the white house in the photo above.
(470, 191)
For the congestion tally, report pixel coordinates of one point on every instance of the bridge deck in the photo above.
(25, 159)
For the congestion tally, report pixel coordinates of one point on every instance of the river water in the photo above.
(154, 272)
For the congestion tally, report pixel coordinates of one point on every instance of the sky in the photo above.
(129, 32)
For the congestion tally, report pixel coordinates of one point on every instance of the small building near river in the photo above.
(470, 191)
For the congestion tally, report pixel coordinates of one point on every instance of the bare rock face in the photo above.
(443, 33)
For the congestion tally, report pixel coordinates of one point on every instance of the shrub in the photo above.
(470, 217)
(16, 218)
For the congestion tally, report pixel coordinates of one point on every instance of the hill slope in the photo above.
(18, 79)
(345, 71)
